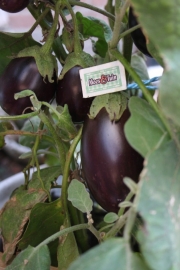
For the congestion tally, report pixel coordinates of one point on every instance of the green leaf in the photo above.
(79, 196)
(139, 65)
(158, 205)
(51, 157)
(100, 47)
(110, 217)
(11, 44)
(68, 39)
(93, 27)
(45, 220)
(112, 254)
(83, 60)
(139, 127)
(32, 125)
(46, 62)
(155, 53)
(32, 258)
(15, 215)
(67, 250)
(130, 184)
(48, 175)
(115, 104)
(169, 94)
(65, 127)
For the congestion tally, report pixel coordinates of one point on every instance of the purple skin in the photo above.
(21, 74)
(107, 158)
(137, 35)
(69, 91)
(13, 6)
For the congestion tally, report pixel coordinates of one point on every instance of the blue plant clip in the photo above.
(146, 82)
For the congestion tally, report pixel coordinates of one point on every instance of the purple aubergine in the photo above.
(69, 91)
(13, 6)
(107, 158)
(21, 74)
(137, 35)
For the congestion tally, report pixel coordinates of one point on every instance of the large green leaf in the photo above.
(112, 254)
(139, 65)
(11, 44)
(158, 204)
(93, 27)
(64, 125)
(67, 250)
(48, 175)
(45, 220)
(144, 130)
(32, 125)
(164, 31)
(32, 258)
(15, 215)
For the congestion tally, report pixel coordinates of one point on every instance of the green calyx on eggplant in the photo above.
(107, 158)
(21, 74)
(137, 35)
(69, 91)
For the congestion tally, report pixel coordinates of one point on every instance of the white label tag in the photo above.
(103, 79)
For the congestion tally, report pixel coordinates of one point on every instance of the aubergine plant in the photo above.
(141, 230)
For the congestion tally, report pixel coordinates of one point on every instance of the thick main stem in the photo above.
(77, 43)
(90, 7)
(119, 14)
(49, 42)
(117, 55)
(59, 144)
(63, 232)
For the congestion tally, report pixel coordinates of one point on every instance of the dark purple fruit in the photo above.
(137, 35)
(21, 74)
(107, 158)
(1, 245)
(69, 91)
(13, 6)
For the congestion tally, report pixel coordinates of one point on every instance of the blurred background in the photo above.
(22, 22)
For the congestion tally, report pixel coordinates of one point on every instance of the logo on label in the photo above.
(103, 80)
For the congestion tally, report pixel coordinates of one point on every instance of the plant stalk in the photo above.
(117, 55)
(63, 232)
(90, 7)
(59, 143)
(119, 14)
(19, 117)
(77, 43)
(67, 168)
(119, 224)
(49, 42)
(37, 22)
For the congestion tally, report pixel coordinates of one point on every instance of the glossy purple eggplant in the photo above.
(69, 91)
(137, 35)
(107, 158)
(13, 6)
(21, 74)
